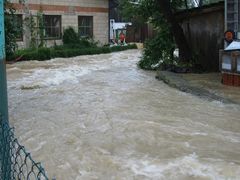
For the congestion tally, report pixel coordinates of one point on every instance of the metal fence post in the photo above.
(5, 161)
(3, 82)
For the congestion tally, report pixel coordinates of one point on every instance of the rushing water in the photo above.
(100, 117)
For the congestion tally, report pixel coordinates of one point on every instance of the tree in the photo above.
(161, 14)
(176, 30)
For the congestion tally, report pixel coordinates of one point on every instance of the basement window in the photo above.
(85, 26)
(52, 26)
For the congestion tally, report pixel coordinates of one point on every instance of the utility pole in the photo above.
(3, 81)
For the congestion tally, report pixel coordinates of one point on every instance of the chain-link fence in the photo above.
(15, 162)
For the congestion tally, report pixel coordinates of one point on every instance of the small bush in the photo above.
(59, 53)
(30, 56)
(36, 54)
(105, 50)
(157, 50)
(70, 36)
(71, 39)
(44, 53)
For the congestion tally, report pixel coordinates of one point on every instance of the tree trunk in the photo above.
(176, 30)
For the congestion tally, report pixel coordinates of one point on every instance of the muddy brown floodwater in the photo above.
(100, 117)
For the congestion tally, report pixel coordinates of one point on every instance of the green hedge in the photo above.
(65, 51)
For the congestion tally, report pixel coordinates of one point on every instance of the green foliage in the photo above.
(11, 28)
(43, 53)
(33, 34)
(48, 53)
(70, 36)
(33, 54)
(41, 28)
(132, 12)
(161, 47)
(158, 50)
(35, 23)
(145, 11)
(71, 39)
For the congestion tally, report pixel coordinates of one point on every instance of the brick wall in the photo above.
(69, 11)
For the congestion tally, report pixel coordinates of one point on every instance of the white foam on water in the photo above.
(55, 77)
(45, 77)
(187, 144)
(65, 166)
(13, 69)
(187, 167)
(191, 133)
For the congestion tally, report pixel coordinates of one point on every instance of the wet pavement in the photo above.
(207, 86)
(212, 82)
(100, 117)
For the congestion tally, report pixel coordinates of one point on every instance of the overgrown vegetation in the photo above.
(70, 36)
(63, 51)
(71, 39)
(11, 28)
(158, 51)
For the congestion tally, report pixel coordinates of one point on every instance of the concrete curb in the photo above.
(176, 81)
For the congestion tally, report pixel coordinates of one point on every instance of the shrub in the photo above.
(105, 50)
(63, 51)
(59, 53)
(157, 50)
(71, 39)
(70, 36)
(44, 53)
(30, 56)
(12, 28)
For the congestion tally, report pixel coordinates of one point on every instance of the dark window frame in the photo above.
(87, 28)
(51, 27)
(19, 19)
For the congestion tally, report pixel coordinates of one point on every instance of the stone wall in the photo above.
(204, 29)
(69, 11)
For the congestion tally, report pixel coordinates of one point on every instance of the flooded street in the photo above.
(100, 117)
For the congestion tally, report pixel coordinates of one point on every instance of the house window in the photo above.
(19, 25)
(52, 26)
(85, 26)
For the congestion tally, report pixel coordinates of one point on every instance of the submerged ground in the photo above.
(100, 117)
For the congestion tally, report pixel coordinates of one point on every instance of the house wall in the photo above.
(204, 30)
(69, 11)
